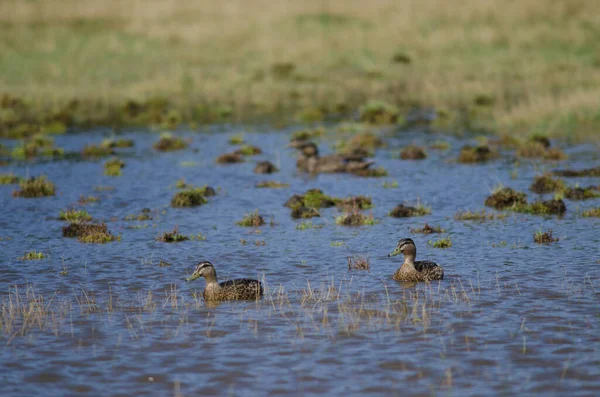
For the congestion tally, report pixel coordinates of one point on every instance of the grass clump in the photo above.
(379, 112)
(32, 255)
(272, 185)
(189, 198)
(505, 197)
(169, 143)
(478, 216)
(308, 134)
(591, 172)
(591, 213)
(265, 167)
(73, 215)
(428, 229)
(313, 198)
(230, 158)
(541, 237)
(119, 143)
(479, 154)
(236, 139)
(378, 172)
(248, 150)
(439, 145)
(88, 233)
(359, 262)
(581, 193)
(308, 225)
(360, 202)
(537, 150)
(441, 243)
(252, 220)
(405, 211)
(546, 184)
(144, 215)
(390, 184)
(542, 207)
(172, 237)
(413, 152)
(353, 217)
(301, 212)
(83, 200)
(95, 151)
(10, 179)
(113, 167)
(35, 187)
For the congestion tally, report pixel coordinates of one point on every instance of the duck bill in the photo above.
(192, 277)
(394, 253)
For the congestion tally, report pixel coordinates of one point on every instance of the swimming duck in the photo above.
(310, 161)
(412, 270)
(239, 289)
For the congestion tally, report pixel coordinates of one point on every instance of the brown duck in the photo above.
(310, 161)
(238, 289)
(412, 270)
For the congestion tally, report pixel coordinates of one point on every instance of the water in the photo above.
(510, 317)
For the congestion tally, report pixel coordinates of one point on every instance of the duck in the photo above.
(412, 270)
(310, 161)
(238, 289)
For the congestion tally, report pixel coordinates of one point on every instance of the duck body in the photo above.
(310, 161)
(412, 270)
(238, 289)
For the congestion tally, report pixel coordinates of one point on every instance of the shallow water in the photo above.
(513, 317)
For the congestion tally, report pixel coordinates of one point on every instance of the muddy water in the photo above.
(510, 317)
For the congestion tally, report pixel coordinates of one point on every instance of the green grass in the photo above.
(32, 255)
(252, 220)
(172, 237)
(441, 243)
(73, 215)
(308, 225)
(35, 187)
(191, 197)
(272, 185)
(591, 213)
(236, 139)
(10, 179)
(544, 237)
(390, 184)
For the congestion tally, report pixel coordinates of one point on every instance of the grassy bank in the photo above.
(518, 66)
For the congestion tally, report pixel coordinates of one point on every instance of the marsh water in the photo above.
(510, 317)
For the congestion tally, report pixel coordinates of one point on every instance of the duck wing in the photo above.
(430, 270)
(243, 288)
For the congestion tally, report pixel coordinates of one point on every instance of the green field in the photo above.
(530, 66)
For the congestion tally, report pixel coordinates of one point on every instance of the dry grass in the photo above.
(359, 262)
(527, 65)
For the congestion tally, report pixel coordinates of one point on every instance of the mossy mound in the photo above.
(113, 167)
(248, 150)
(479, 154)
(300, 212)
(230, 158)
(10, 179)
(427, 229)
(360, 202)
(406, 211)
(378, 172)
(272, 185)
(581, 193)
(537, 150)
(94, 151)
(89, 233)
(546, 184)
(355, 218)
(169, 143)
(378, 112)
(591, 172)
(505, 198)
(313, 198)
(37, 146)
(252, 220)
(413, 152)
(35, 187)
(265, 167)
(118, 143)
(307, 134)
(172, 237)
(543, 207)
(189, 198)
(73, 215)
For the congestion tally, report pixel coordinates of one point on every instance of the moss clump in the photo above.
(537, 150)
(248, 150)
(252, 220)
(541, 139)
(189, 198)
(413, 152)
(10, 179)
(73, 215)
(378, 112)
(591, 213)
(478, 216)
(405, 211)
(144, 215)
(378, 172)
(113, 167)
(83, 200)
(546, 184)
(401, 57)
(360, 202)
(541, 237)
(581, 193)
(236, 139)
(592, 172)
(479, 154)
(230, 158)
(366, 140)
(94, 151)
(119, 143)
(301, 212)
(439, 145)
(88, 232)
(428, 229)
(308, 134)
(354, 217)
(32, 256)
(441, 243)
(359, 262)
(505, 197)
(35, 187)
(546, 207)
(308, 225)
(172, 236)
(265, 167)
(37, 146)
(169, 143)
(315, 198)
(272, 185)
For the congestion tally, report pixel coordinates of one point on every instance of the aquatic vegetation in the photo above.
(230, 158)
(405, 211)
(172, 237)
(89, 233)
(401, 57)
(248, 150)
(428, 229)
(390, 185)
(272, 185)
(478, 216)
(32, 255)
(180, 184)
(360, 202)
(162, 263)
(10, 179)
(542, 207)
(541, 237)
(337, 243)
(367, 140)
(236, 139)
(73, 215)
(252, 220)
(308, 134)
(113, 167)
(198, 237)
(265, 167)
(83, 200)
(144, 215)
(371, 172)
(505, 197)
(439, 145)
(169, 143)
(315, 198)
(35, 187)
(308, 225)
(541, 139)
(592, 172)
(192, 197)
(581, 193)
(413, 152)
(94, 151)
(104, 188)
(379, 112)
(119, 143)
(300, 212)
(353, 217)
(359, 262)
(533, 149)
(592, 212)
(546, 184)
(469, 154)
(37, 146)
(441, 243)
